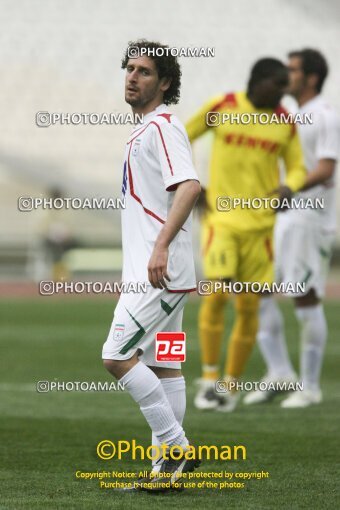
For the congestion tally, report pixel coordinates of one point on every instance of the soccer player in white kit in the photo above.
(160, 187)
(303, 241)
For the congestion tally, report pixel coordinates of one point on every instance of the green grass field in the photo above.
(47, 437)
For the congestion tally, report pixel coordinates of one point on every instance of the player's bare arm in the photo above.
(184, 200)
(322, 173)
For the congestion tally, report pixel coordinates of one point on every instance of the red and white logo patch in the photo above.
(170, 346)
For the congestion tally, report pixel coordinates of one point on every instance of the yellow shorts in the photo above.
(240, 256)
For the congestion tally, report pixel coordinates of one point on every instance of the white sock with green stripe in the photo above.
(174, 388)
(147, 390)
(271, 340)
(313, 340)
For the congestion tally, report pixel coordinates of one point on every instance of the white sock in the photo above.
(313, 340)
(174, 388)
(271, 339)
(146, 389)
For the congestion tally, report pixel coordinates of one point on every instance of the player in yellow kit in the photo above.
(251, 134)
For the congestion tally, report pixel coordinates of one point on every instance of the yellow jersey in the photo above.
(248, 144)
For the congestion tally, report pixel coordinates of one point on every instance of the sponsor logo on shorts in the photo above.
(170, 346)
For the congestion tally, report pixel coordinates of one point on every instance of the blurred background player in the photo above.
(303, 240)
(237, 244)
(53, 237)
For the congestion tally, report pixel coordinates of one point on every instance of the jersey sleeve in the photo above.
(174, 152)
(294, 164)
(328, 137)
(197, 124)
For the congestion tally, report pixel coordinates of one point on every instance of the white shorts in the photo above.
(302, 255)
(137, 318)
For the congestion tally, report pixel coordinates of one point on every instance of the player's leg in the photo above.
(255, 265)
(313, 335)
(211, 326)
(270, 337)
(273, 347)
(218, 263)
(135, 316)
(272, 341)
(172, 380)
(147, 391)
(240, 345)
(169, 374)
(212, 310)
(175, 390)
(310, 314)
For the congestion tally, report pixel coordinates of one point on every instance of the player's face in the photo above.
(270, 91)
(142, 83)
(297, 79)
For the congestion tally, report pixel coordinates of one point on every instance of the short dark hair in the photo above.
(166, 64)
(264, 68)
(313, 62)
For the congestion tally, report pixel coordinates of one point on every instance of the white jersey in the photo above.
(157, 158)
(319, 140)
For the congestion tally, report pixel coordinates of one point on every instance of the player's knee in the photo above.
(246, 325)
(309, 299)
(271, 320)
(214, 302)
(111, 365)
(211, 314)
(247, 303)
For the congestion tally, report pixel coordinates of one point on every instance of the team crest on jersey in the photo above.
(136, 147)
(118, 332)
